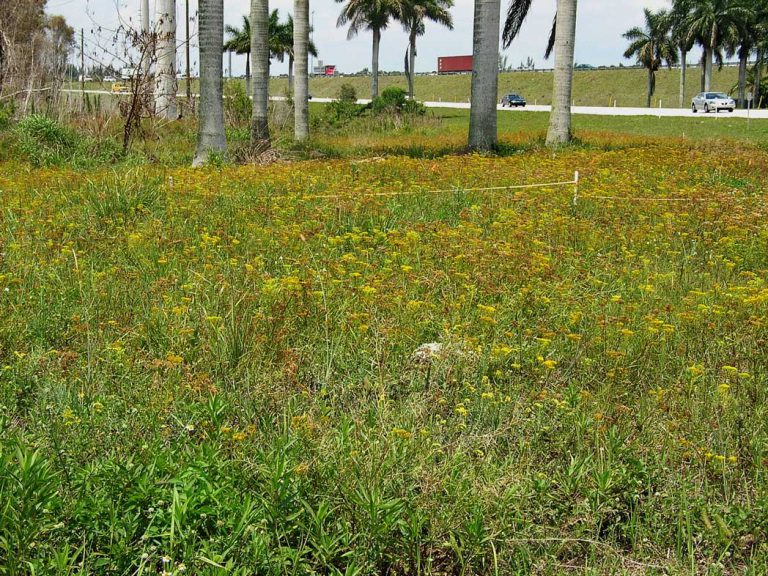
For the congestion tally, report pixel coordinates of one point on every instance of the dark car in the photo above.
(513, 100)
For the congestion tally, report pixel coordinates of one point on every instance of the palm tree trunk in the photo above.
(210, 134)
(375, 63)
(290, 74)
(483, 129)
(260, 80)
(708, 57)
(703, 69)
(411, 63)
(650, 88)
(559, 131)
(301, 58)
(758, 77)
(165, 79)
(683, 66)
(743, 58)
(248, 72)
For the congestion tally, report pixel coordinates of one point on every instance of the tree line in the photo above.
(721, 28)
(263, 36)
(33, 48)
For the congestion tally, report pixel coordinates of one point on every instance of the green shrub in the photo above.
(44, 141)
(347, 93)
(237, 105)
(395, 101)
(345, 107)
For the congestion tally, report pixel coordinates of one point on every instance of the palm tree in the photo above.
(278, 38)
(413, 15)
(373, 15)
(239, 42)
(210, 134)
(761, 48)
(561, 40)
(712, 23)
(165, 84)
(284, 46)
(680, 12)
(260, 55)
(559, 131)
(483, 131)
(301, 54)
(749, 35)
(652, 46)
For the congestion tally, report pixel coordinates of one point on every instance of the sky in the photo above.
(600, 24)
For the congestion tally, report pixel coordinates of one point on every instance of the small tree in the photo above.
(139, 102)
(652, 45)
(414, 14)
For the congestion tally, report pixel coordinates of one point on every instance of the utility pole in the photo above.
(190, 103)
(82, 61)
(146, 37)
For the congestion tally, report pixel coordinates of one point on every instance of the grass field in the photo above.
(445, 130)
(622, 86)
(222, 370)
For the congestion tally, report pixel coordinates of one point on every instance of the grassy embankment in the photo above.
(625, 87)
(591, 87)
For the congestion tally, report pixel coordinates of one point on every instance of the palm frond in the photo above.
(516, 15)
(551, 40)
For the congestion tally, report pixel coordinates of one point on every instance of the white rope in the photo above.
(439, 191)
(646, 198)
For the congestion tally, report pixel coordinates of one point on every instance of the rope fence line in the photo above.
(648, 199)
(456, 189)
(574, 182)
(575, 200)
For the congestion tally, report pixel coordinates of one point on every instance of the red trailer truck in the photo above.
(454, 64)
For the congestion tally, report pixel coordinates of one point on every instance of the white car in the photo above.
(712, 102)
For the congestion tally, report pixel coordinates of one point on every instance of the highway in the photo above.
(589, 110)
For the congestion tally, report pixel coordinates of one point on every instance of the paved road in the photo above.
(616, 111)
(593, 110)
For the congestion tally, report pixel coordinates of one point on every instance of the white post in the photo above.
(575, 188)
